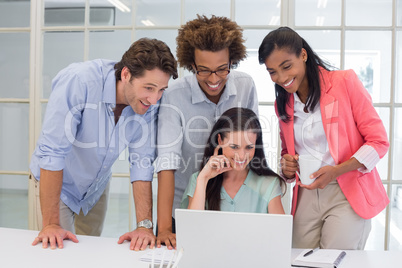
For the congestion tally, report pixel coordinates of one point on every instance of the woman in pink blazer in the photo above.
(329, 115)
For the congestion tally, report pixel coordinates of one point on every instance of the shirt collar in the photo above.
(299, 105)
(297, 99)
(197, 95)
(109, 88)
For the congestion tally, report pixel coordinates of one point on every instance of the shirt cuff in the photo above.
(169, 161)
(141, 173)
(52, 163)
(367, 156)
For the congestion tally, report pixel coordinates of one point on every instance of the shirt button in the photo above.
(111, 150)
(104, 166)
(231, 202)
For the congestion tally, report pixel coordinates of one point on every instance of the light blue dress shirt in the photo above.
(80, 137)
(186, 118)
(253, 196)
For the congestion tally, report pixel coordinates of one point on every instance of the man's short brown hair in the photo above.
(147, 54)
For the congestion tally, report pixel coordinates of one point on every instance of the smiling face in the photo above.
(213, 84)
(288, 70)
(239, 148)
(141, 92)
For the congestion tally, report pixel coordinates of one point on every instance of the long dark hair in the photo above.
(286, 38)
(234, 119)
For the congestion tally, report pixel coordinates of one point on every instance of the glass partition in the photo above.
(14, 201)
(206, 7)
(318, 13)
(398, 69)
(14, 65)
(10, 18)
(14, 136)
(157, 13)
(109, 44)
(368, 13)
(59, 50)
(258, 12)
(371, 60)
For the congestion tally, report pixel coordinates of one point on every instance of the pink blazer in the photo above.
(349, 121)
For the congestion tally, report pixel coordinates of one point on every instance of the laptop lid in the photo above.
(233, 239)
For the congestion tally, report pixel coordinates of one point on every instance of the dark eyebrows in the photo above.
(154, 85)
(150, 84)
(233, 144)
(220, 67)
(280, 65)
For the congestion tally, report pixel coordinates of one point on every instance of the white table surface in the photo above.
(16, 251)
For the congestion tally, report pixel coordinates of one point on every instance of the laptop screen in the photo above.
(233, 239)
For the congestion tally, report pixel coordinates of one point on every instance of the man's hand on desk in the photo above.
(140, 238)
(54, 234)
(166, 237)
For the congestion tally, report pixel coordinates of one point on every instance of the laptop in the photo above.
(233, 239)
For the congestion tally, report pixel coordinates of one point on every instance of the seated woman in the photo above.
(234, 175)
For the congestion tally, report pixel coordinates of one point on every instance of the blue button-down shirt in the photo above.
(80, 137)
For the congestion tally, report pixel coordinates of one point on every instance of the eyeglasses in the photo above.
(205, 73)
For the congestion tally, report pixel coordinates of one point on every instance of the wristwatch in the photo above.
(145, 223)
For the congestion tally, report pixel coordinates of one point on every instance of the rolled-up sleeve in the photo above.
(367, 156)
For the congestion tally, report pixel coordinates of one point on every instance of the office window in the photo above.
(14, 65)
(399, 12)
(262, 80)
(368, 40)
(258, 12)
(60, 49)
(13, 201)
(318, 13)
(356, 15)
(396, 218)
(20, 18)
(398, 70)
(158, 13)
(371, 60)
(326, 43)
(109, 44)
(14, 136)
(382, 166)
(206, 7)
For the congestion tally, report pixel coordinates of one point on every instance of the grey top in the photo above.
(186, 118)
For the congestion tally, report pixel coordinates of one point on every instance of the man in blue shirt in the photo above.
(96, 110)
(210, 48)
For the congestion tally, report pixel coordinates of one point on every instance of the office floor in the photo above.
(14, 214)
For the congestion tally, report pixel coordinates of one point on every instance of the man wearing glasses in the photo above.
(210, 49)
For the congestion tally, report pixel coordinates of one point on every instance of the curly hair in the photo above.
(212, 34)
(147, 54)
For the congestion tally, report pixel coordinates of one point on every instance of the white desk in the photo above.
(98, 252)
